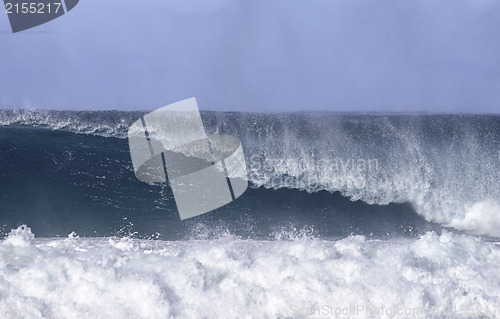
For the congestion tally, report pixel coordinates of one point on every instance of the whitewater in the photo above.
(436, 276)
(346, 216)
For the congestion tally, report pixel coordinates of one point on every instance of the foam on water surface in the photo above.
(435, 276)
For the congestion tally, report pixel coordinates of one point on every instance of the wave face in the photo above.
(325, 175)
(446, 166)
(436, 276)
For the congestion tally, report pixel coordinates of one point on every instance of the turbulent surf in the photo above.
(346, 215)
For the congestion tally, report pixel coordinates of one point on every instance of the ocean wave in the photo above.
(443, 164)
(446, 166)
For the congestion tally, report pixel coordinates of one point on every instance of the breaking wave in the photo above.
(446, 166)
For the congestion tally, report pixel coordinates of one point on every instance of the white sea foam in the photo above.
(480, 218)
(21, 237)
(436, 276)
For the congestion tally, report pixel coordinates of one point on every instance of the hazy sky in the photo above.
(259, 55)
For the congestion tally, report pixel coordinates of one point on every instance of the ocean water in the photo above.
(354, 216)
